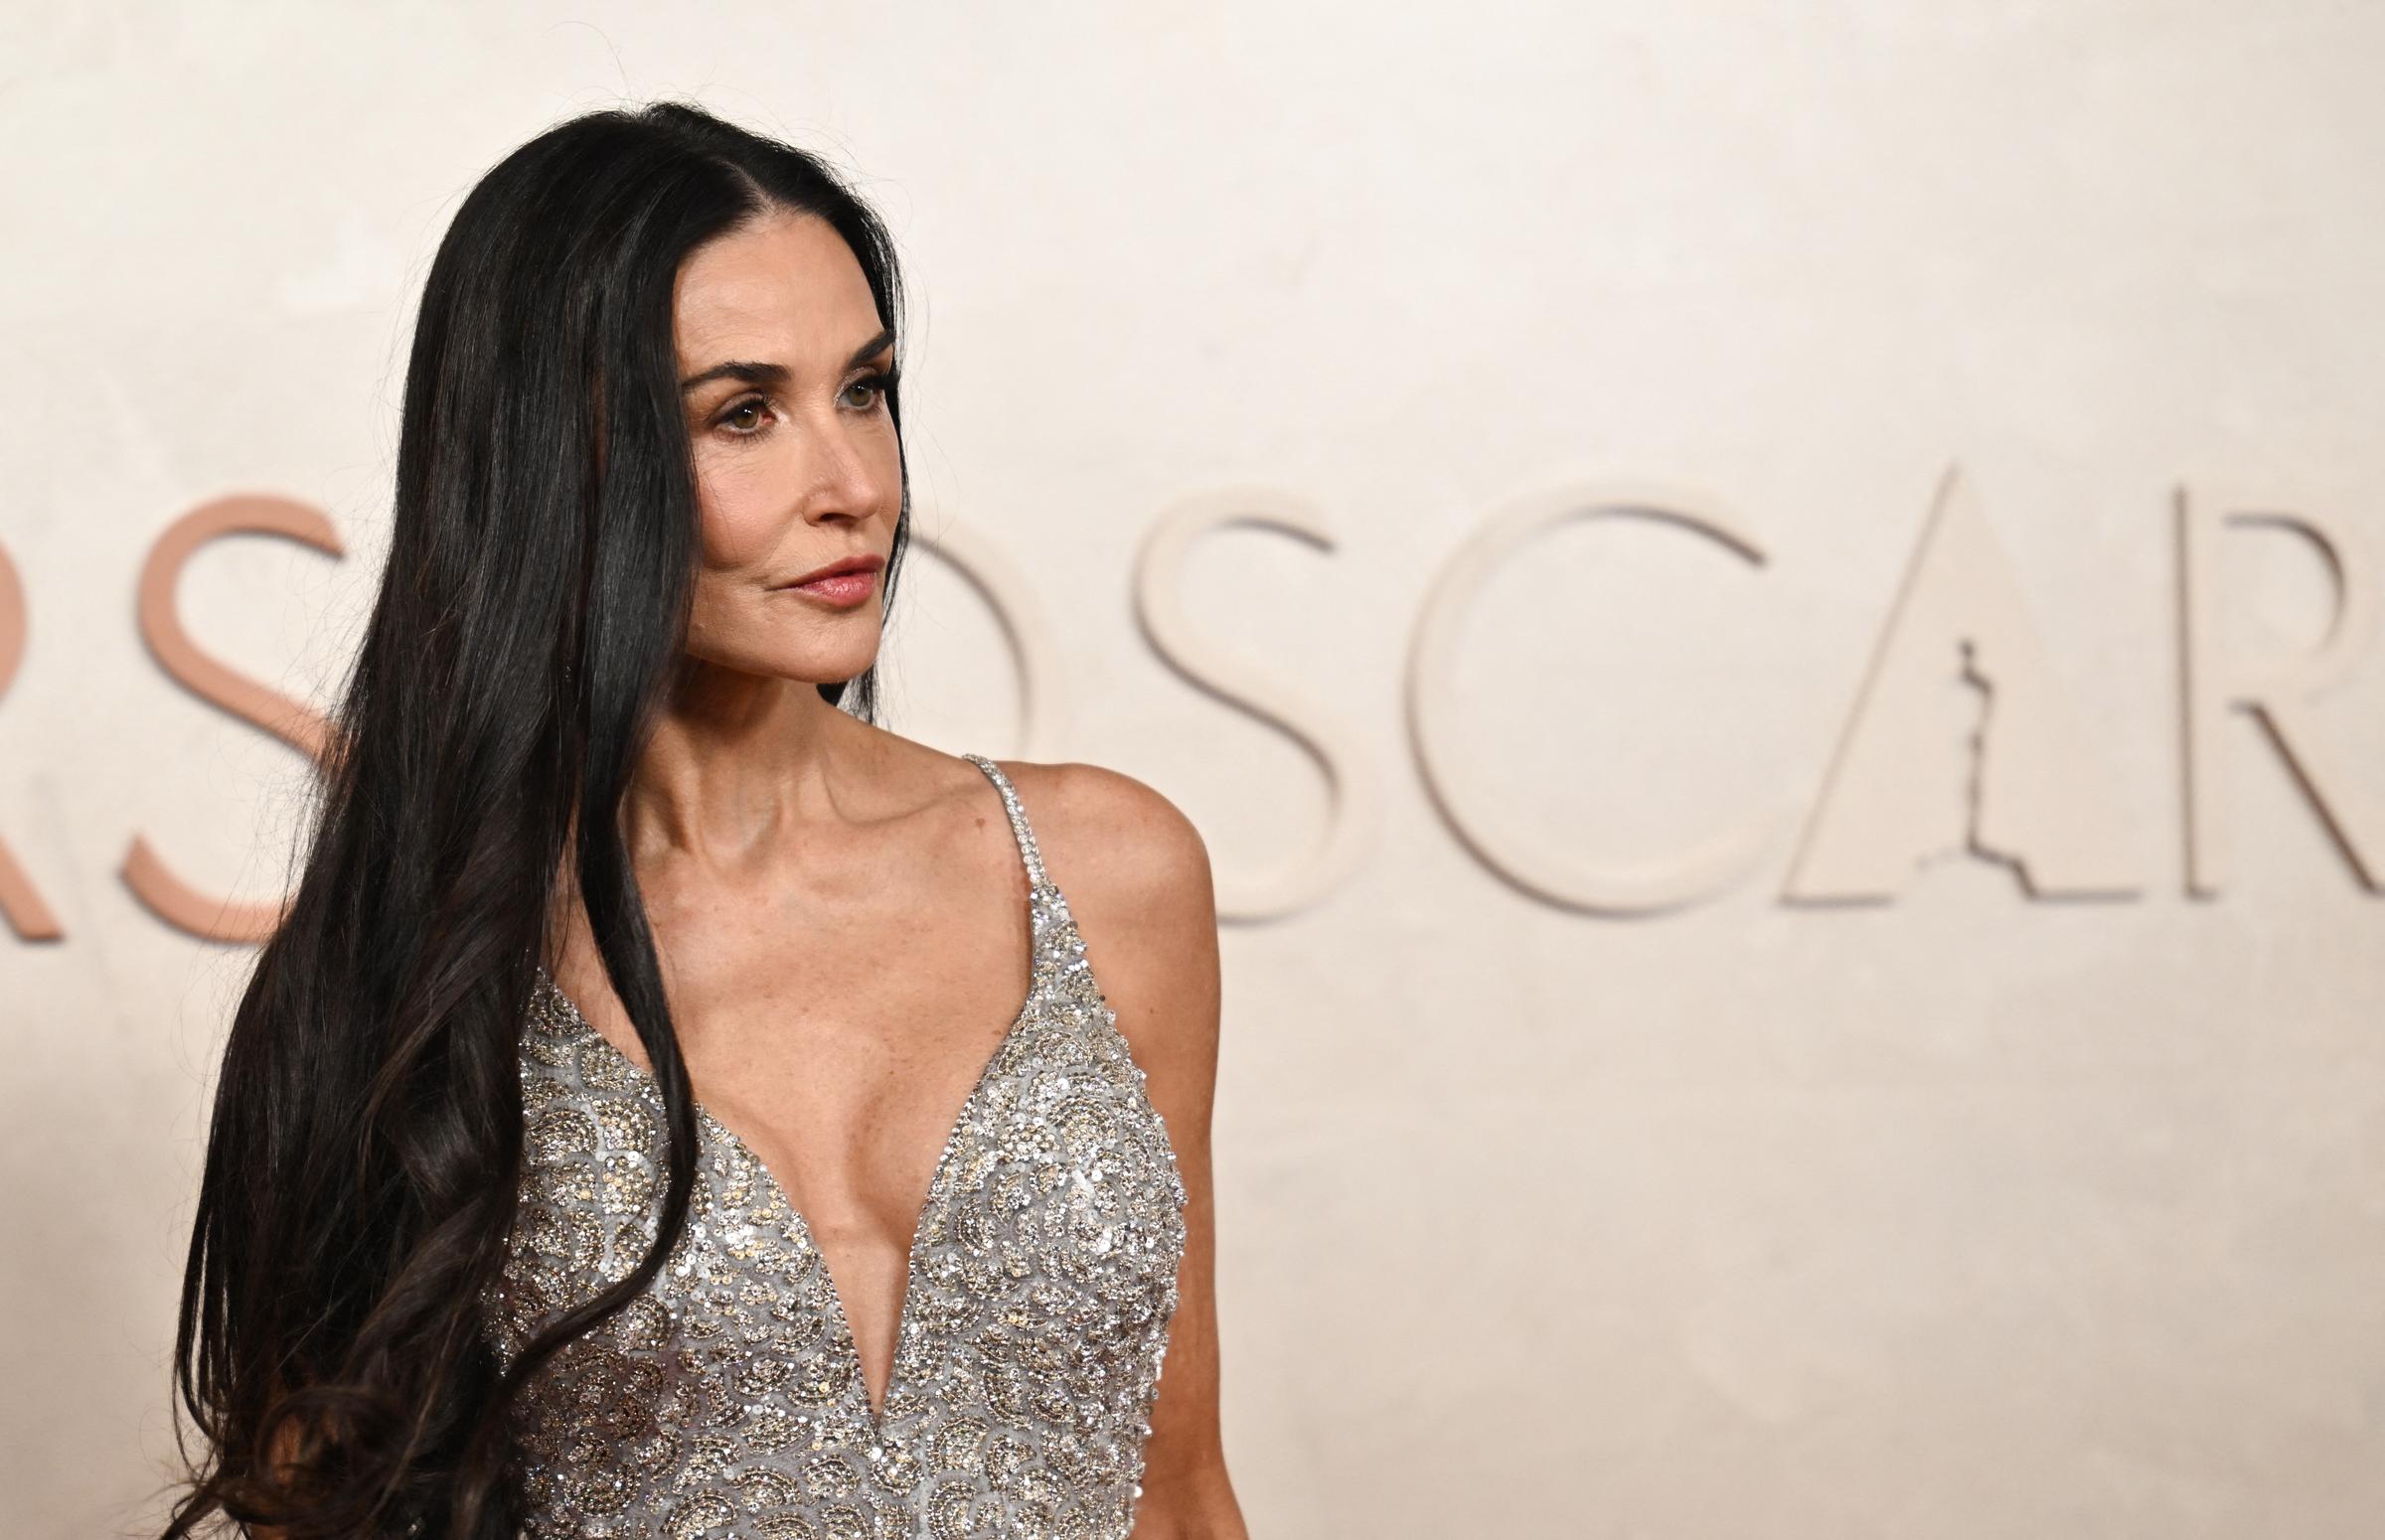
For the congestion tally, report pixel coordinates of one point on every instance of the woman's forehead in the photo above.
(788, 280)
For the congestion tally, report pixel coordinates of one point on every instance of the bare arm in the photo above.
(1138, 877)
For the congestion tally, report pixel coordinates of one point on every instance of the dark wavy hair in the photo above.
(366, 1130)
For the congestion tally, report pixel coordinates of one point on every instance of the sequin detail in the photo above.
(728, 1399)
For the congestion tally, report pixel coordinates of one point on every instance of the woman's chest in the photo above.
(1041, 1268)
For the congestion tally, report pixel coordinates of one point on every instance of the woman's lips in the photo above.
(841, 589)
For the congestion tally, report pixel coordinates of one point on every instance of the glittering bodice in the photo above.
(727, 1400)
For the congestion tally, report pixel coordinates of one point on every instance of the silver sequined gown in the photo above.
(727, 1400)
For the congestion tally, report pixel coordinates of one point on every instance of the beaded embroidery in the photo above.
(727, 1400)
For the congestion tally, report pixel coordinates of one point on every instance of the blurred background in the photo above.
(1767, 611)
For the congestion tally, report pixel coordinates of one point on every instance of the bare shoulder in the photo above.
(1107, 837)
(1136, 872)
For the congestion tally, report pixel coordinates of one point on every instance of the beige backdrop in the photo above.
(1735, 1025)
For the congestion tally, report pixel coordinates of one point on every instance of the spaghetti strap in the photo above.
(1027, 853)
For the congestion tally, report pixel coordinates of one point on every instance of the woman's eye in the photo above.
(737, 421)
(746, 418)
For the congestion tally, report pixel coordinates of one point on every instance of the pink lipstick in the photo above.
(842, 583)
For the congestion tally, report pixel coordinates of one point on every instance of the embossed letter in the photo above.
(1031, 648)
(172, 899)
(20, 903)
(2280, 699)
(1514, 852)
(1350, 791)
(2034, 798)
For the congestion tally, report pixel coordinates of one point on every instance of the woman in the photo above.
(640, 1123)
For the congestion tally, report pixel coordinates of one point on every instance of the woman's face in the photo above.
(782, 360)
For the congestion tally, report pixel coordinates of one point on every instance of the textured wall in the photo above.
(1776, 1056)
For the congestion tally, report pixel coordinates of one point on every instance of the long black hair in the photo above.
(366, 1130)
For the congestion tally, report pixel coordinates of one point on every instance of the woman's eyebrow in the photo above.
(737, 369)
(751, 372)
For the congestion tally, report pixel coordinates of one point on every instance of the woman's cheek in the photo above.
(735, 530)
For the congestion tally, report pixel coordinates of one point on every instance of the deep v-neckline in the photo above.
(798, 1226)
